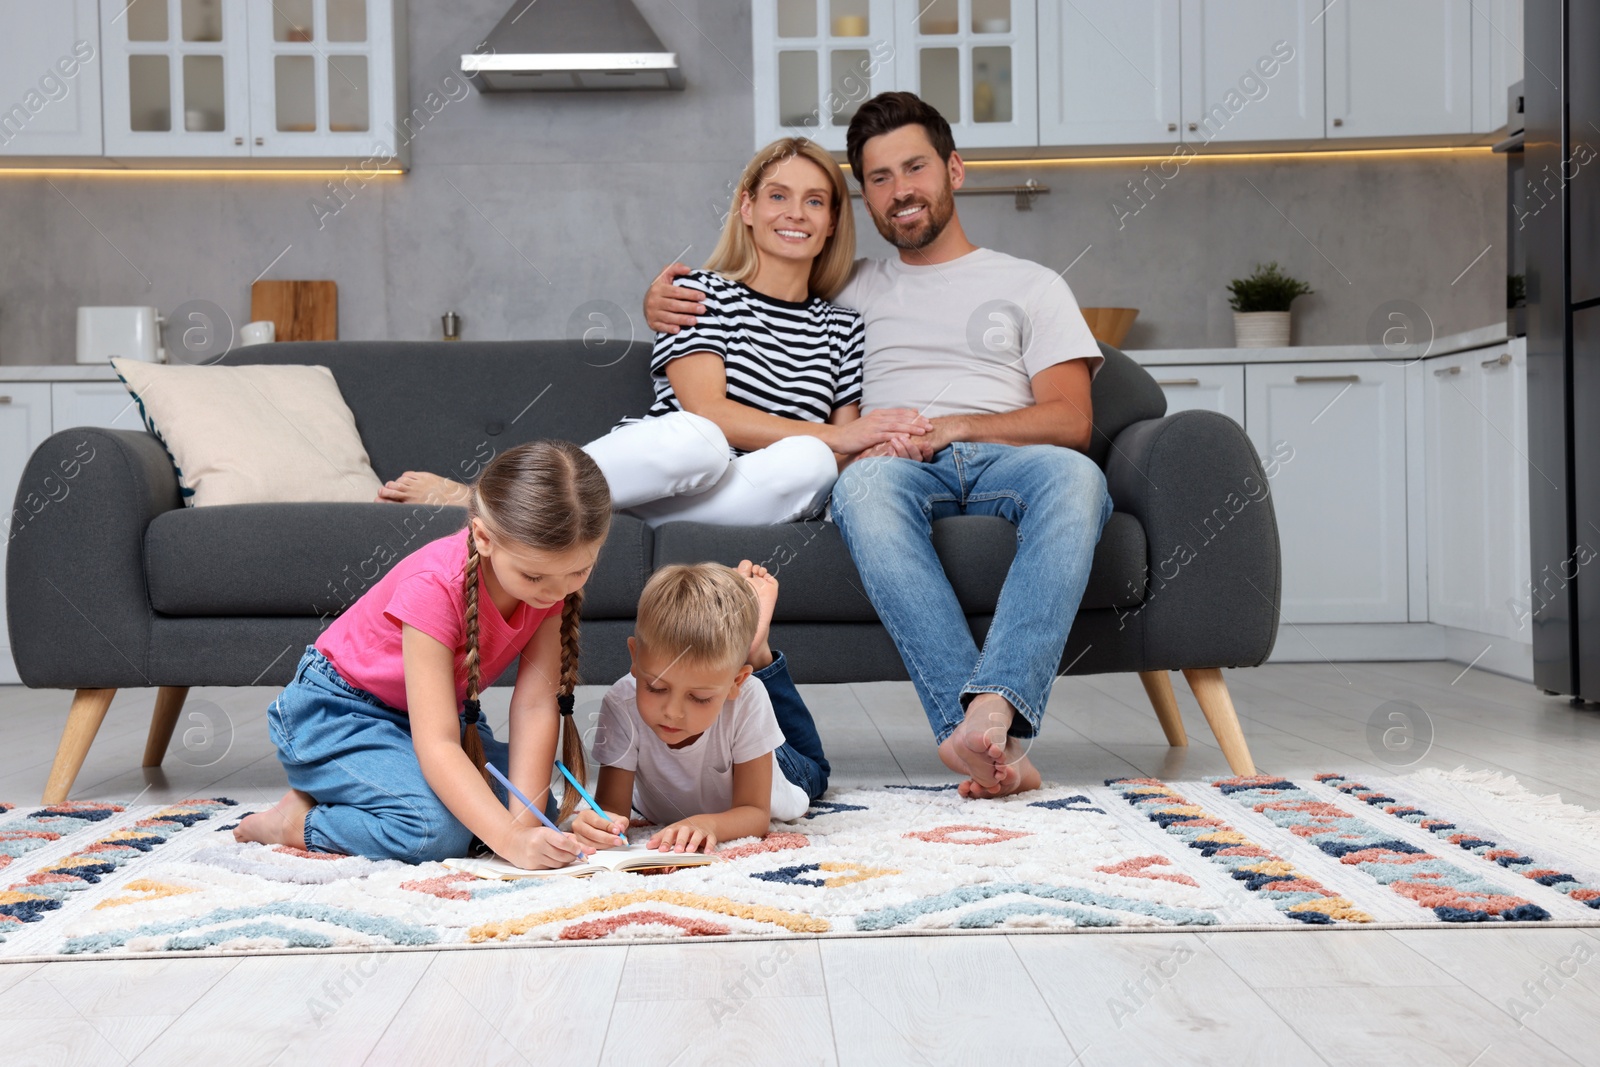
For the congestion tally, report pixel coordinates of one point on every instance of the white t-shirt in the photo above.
(965, 336)
(674, 783)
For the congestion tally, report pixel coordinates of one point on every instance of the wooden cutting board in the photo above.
(301, 311)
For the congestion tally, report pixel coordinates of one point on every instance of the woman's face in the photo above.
(791, 214)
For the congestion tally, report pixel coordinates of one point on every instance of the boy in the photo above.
(686, 738)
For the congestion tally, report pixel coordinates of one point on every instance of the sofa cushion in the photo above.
(821, 584)
(316, 559)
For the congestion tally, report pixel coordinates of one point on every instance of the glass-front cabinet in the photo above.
(974, 60)
(176, 78)
(826, 56)
(279, 78)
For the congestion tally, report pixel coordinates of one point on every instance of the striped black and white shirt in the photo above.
(795, 359)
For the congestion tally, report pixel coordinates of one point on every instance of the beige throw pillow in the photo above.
(253, 434)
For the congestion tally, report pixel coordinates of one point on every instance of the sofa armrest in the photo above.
(1213, 578)
(77, 606)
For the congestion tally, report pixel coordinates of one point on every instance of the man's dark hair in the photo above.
(886, 113)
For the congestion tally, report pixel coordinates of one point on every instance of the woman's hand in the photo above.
(539, 848)
(693, 834)
(876, 428)
(668, 307)
(596, 833)
(420, 487)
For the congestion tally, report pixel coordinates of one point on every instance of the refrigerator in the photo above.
(1560, 227)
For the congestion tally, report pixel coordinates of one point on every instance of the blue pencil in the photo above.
(526, 802)
(587, 799)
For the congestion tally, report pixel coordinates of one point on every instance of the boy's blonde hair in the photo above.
(702, 613)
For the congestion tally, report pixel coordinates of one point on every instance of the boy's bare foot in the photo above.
(766, 589)
(420, 487)
(282, 824)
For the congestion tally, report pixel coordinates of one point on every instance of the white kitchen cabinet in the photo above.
(1337, 433)
(24, 424)
(1497, 60)
(322, 77)
(816, 62)
(1399, 69)
(1229, 47)
(50, 78)
(976, 61)
(176, 78)
(104, 404)
(1205, 387)
(309, 79)
(1109, 72)
(1476, 445)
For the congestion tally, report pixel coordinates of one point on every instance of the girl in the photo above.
(380, 732)
(758, 403)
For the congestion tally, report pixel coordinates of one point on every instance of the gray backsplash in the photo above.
(521, 208)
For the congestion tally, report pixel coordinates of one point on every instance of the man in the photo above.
(995, 351)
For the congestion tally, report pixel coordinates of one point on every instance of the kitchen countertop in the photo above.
(1147, 357)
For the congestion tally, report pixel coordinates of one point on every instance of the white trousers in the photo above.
(679, 468)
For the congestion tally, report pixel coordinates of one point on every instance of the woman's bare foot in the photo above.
(420, 487)
(766, 589)
(282, 824)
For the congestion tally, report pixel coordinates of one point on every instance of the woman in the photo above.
(758, 404)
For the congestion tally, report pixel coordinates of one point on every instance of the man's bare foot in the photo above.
(1015, 774)
(977, 747)
(420, 487)
(282, 824)
(766, 589)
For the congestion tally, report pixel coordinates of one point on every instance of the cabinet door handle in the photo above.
(1177, 381)
(1338, 122)
(1194, 126)
(5, 400)
(1172, 127)
(1442, 371)
(1301, 379)
(1499, 361)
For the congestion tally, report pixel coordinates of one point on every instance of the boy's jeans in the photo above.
(800, 757)
(885, 508)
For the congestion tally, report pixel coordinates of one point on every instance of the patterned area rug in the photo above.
(93, 879)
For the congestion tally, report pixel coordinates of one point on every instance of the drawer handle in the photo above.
(1499, 361)
(5, 400)
(1442, 371)
(1177, 381)
(1301, 379)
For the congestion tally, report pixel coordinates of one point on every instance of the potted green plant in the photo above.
(1261, 307)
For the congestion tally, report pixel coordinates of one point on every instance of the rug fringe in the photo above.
(1505, 788)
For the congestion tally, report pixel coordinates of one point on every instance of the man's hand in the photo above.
(668, 307)
(688, 835)
(877, 427)
(597, 833)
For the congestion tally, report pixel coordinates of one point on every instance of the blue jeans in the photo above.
(800, 756)
(1056, 498)
(353, 754)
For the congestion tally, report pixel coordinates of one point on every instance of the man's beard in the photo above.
(929, 227)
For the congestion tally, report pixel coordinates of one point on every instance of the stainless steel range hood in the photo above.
(572, 44)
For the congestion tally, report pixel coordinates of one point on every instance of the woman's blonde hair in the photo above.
(549, 496)
(735, 256)
(701, 613)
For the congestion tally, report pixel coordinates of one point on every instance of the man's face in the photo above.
(908, 188)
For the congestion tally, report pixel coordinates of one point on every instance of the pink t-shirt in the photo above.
(424, 590)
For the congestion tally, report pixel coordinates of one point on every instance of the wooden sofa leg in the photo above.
(1158, 687)
(1212, 694)
(169, 702)
(83, 722)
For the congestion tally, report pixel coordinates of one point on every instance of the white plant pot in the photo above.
(1261, 329)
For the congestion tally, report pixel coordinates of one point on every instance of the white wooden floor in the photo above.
(1429, 997)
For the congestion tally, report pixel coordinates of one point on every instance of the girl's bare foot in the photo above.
(282, 824)
(420, 487)
(766, 589)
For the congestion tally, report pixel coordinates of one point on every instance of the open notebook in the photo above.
(636, 857)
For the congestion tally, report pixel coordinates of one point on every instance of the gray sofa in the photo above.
(118, 585)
